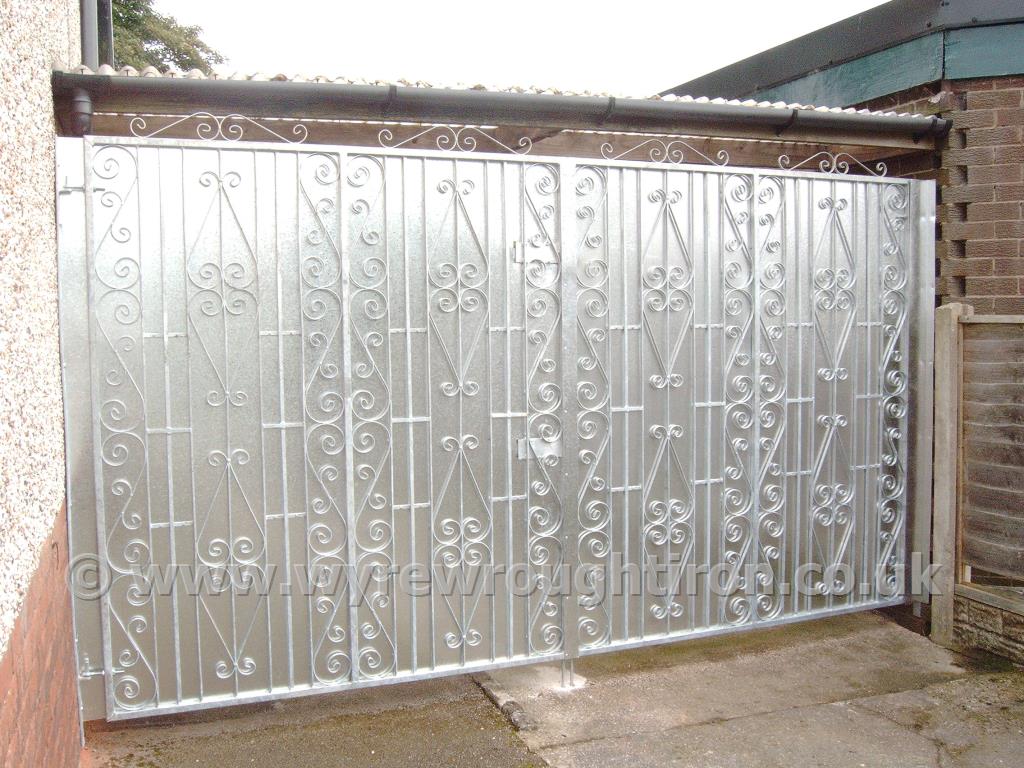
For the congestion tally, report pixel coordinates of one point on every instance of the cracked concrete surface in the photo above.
(855, 691)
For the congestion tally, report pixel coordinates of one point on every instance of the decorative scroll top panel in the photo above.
(653, 148)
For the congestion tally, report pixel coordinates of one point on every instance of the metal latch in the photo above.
(538, 447)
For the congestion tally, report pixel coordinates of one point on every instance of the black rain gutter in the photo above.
(286, 99)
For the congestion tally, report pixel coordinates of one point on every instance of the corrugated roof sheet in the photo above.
(196, 74)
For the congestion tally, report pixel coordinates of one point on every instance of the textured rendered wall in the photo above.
(35, 35)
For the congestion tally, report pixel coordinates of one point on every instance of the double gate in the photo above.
(345, 416)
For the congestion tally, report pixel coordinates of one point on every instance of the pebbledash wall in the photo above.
(38, 703)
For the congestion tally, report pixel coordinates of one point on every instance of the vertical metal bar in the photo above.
(812, 316)
(168, 437)
(708, 467)
(645, 491)
(798, 497)
(285, 512)
(756, 320)
(509, 456)
(226, 381)
(389, 461)
(694, 397)
(145, 431)
(189, 325)
(878, 416)
(864, 386)
(432, 510)
(627, 414)
(488, 335)
(523, 201)
(571, 493)
(262, 419)
(344, 243)
(411, 424)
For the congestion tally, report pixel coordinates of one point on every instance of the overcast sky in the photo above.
(630, 47)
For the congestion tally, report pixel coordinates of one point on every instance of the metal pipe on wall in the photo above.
(105, 31)
(90, 33)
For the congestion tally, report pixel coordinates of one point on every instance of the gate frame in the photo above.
(74, 223)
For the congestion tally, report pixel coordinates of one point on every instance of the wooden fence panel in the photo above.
(992, 496)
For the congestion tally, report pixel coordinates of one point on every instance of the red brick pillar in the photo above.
(39, 723)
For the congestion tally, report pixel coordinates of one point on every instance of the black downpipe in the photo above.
(105, 31)
(90, 36)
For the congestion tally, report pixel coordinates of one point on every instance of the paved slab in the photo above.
(854, 691)
(689, 683)
(976, 722)
(432, 723)
(833, 735)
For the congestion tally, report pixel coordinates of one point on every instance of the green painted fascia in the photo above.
(985, 51)
(878, 74)
(953, 55)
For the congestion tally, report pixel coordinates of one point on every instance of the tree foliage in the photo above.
(143, 37)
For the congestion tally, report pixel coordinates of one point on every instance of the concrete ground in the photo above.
(447, 722)
(857, 690)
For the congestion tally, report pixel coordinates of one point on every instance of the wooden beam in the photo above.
(947, 467)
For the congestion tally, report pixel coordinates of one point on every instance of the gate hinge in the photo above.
(68, 187)
(87, 670)
(538, 447)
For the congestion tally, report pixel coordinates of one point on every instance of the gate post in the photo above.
(948, 375)
(921, 366)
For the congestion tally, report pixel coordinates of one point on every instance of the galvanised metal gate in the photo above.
(344, 416)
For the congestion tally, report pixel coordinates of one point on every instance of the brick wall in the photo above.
(38, 699)
(980, 175)
(981, 211)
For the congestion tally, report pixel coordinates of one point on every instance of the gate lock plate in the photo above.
(539, 448)
(518, 250)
